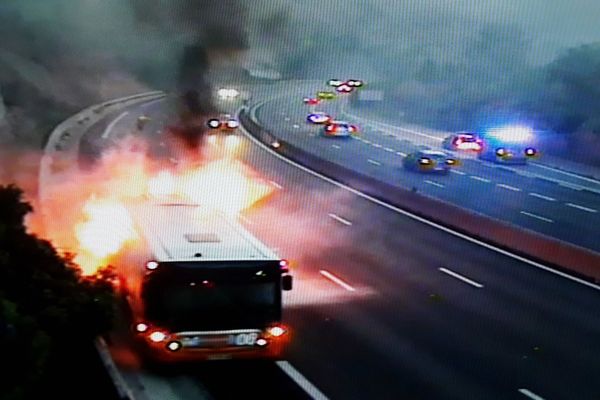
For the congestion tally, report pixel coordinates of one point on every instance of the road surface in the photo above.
(388, 307)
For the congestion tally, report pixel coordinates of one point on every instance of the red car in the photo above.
(465, 141)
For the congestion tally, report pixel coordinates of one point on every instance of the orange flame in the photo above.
(97, 226)
(106, 228)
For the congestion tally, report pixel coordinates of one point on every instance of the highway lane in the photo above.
(561, 209)
(409, 330)
(548, 166)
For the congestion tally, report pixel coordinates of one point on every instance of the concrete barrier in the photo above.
(559, 255)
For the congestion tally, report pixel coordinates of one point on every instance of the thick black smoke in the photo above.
(213, 30)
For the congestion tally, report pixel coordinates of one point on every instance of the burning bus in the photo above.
(208, 289)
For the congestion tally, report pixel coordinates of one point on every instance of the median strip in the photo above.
(497, 236)
(460, 277)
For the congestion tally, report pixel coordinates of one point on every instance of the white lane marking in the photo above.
(296, 126)
(401, 153)
(337, 280)
(530, 394)
(110, 126)
(536, 216)
(560, 171)
(591, 210)
(301, 381)
(461, 277)
(415, 217)
(340, 219)
(389, 149)
(503, 186)
(434, 183)
(335, 146)
(541, 196)
(570, 186)
(480, 179)
(373, 162)
(287, 119)
(277, 185)
(455, 171)
(366, 141)
(377, 145)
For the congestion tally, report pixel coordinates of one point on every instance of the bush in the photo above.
(48, 310)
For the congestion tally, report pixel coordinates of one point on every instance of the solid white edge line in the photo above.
(112, 124)
(541, 196)
(573, 205)
(418, 218)
(337, 280)
(373, 162)
(301, 381)
(536, 216)
(560, 171)
(277, 185)
(434, 183)
(530, 394)
(121, 386)
(340, 219)
(504, 186)
(461, 277)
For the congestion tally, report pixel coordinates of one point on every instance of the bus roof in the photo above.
(185, 232)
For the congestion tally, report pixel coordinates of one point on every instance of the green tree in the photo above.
(48, 310)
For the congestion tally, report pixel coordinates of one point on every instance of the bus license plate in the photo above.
(243, 339)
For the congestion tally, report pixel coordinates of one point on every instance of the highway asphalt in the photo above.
(388, 307)
(557, 204)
